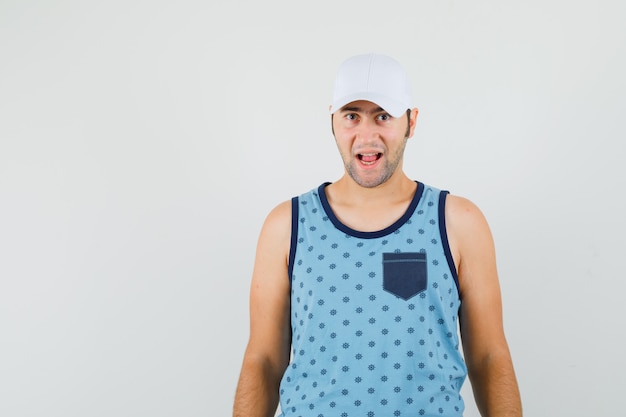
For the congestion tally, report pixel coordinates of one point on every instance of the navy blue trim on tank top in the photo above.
(370, 235)
(444, 238)
(294, 236)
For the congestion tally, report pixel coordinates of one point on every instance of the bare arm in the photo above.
(267, 353)
(487, 355)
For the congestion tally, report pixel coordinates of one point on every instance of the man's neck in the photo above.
(346, 192)
(370, 209)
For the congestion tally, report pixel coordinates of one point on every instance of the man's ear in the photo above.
(412, 121)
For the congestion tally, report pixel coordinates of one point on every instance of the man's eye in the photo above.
(351, 116)
(384, 117)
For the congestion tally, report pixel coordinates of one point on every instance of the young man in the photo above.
(360, 286)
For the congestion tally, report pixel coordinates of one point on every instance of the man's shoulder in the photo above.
(313, 191)
(277, 224)
(464, 216)
(461, 206)
(280, 212)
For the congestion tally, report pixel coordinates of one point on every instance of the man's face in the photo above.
(371, 142)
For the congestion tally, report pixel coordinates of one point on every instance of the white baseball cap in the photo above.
(372, 77)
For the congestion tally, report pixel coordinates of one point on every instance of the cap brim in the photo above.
(393, 107)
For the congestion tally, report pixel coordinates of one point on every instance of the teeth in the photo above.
(369, 158)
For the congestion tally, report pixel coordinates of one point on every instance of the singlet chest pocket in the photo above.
(404, 274)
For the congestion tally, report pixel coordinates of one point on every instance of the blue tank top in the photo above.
(374, 315)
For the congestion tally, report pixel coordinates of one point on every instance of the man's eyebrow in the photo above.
(360, 109)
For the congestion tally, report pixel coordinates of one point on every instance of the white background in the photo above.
(142, 143)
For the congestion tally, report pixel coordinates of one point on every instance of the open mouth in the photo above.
(369, 158)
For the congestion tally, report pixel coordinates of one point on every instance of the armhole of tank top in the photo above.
(294, 236)
(444, 238)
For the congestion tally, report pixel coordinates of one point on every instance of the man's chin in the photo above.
(369, 182)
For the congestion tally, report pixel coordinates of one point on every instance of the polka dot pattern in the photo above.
(374, 317)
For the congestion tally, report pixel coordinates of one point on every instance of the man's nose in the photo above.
(368, 130)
